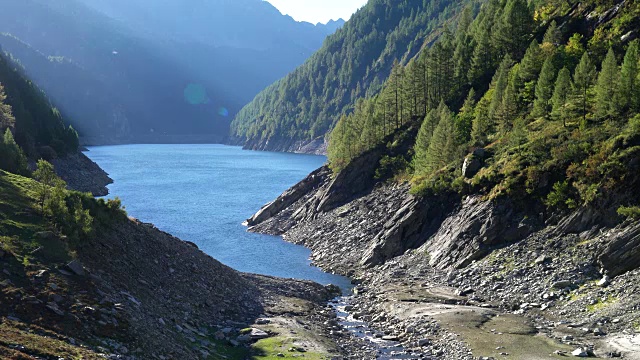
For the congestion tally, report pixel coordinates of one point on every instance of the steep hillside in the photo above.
(101, 284)
(34, 129)
(354, 62)
(508, 193)
(121, 77)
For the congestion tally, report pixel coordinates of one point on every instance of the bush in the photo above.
(390, 166)
(629, 212)
(561, 196)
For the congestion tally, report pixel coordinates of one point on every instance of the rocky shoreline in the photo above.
(469, 279)
(82, 174)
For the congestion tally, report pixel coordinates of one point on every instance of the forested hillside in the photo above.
(31, 126)
(547, 108)
(351, 64)
(121, 76)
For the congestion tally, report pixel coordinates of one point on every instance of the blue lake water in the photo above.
(203, 193)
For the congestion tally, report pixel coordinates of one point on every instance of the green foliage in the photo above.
(6, 116)
(561, 196)
(628, 95)
(630, 212)
(12, 157)
(563, 86)
(35, 123)
(583, 78)
(390, 166)
(352, 64)
(545, 89)
(607, 87)
(49, 188)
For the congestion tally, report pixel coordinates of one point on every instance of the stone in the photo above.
(604, 281)
(471, 166)
(54, 307)
(263, 321)
(76, 267)
(562, 284)
(542, 259)
(580, 352)
(257, 334)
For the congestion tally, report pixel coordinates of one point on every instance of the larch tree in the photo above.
(6, 116)
(583, 78)
(560, 98)
(423, 140)
(442, 147)
(464, 120)
(607, 86)
(544, 89)
(501, 82)
(628, 95)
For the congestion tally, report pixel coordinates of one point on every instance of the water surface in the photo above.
(203, 193)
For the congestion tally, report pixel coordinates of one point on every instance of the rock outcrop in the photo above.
(622, 250)
(82, 174)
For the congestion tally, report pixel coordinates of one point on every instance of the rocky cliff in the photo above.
(498, 254)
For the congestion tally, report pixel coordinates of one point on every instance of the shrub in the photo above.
(629, 212)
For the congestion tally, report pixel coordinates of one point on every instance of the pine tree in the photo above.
(628, 95)
(6, 117)
(560, 97)
(544, 89)
(583, 78)
(607, 86)
(423, 140)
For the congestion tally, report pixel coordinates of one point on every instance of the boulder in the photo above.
(76, 267)
(580, 352)
(471, 166)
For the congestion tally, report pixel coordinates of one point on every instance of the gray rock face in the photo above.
(290, 196)
(474, 231)
(622, 252)
(76, 267)
(471, 166)
(408, 228)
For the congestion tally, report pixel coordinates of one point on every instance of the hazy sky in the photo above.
(315, 11)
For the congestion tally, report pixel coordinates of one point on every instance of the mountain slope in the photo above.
(125, 78)
(352, 63)
(508, 193)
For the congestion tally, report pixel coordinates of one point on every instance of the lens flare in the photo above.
(195, 94)
(223, 111)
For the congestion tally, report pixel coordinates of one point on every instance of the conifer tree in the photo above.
(607, 86)
(628, 95)
(482, 59)
(500, 81)
(544, 89)
(6, 117)
(509, 107)
(482, 121)
(12, 158)
(514, 29)
(583, 78)
(552, 35)
(559, 100)
(423, 140)
(464, 120)
(531, 62)
(442, 147)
